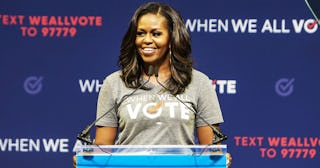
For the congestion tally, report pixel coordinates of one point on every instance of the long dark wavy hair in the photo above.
(181, 62)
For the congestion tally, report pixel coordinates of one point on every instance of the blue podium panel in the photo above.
(213, 156)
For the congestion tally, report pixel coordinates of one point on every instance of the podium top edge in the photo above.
(154, 146)
(150, 149)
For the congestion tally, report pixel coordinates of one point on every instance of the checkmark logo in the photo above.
(311, 25)
(155, 108)
(33, 85)
(284, 87)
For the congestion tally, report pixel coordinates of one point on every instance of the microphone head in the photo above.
(156, 69)
(150, 70)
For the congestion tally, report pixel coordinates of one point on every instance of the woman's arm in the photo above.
(205, 135)
(105, 135)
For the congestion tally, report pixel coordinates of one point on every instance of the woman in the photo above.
(164, 106)
(156, 36)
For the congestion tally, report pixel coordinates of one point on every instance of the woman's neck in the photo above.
(164, 74)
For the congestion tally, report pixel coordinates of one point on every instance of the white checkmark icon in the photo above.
(34, 84)
(284, 87)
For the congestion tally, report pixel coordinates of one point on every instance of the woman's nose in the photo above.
(147, 39)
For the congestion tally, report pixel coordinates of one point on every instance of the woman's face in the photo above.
(152, 40)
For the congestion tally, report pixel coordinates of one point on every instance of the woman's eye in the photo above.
(156, 34)
(140, 33)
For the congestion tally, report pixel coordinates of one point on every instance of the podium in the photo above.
(155, 156)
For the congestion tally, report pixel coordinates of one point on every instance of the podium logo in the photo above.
(33, 85)
(284, 87)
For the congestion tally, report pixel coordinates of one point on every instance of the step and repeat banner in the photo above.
(262, 57)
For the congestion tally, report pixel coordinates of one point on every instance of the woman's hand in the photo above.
(229, 159)
(74, 159)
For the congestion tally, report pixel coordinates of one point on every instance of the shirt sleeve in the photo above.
(208, 108)
(106, 112)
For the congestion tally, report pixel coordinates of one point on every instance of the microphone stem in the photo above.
(219, 136)
(84, 136)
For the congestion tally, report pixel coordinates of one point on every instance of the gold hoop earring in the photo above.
(170, 57)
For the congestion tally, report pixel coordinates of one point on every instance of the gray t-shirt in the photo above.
(153, 117)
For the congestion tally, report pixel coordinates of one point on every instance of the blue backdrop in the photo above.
(262, 57)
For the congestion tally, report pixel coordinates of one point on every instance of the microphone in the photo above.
(219, 136)
(84, 136)
(314, 7)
